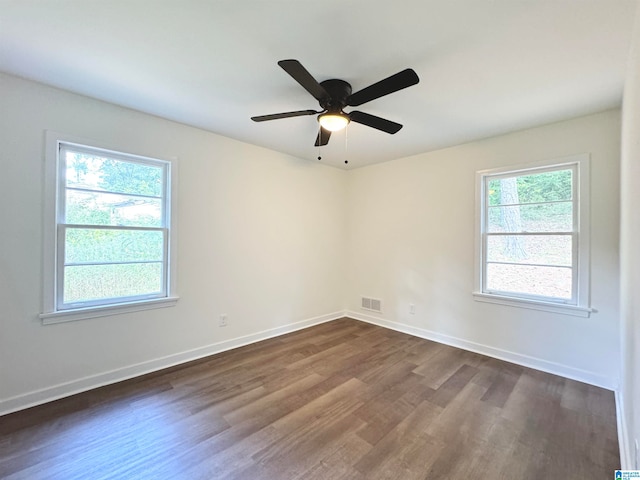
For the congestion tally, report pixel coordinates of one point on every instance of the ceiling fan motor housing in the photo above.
(339, 92)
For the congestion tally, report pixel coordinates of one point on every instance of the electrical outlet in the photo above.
(412, 309)
(223, 320)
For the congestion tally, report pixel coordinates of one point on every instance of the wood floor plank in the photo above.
(400, 441)
(255, 407)
(381, 416)
(444, 363)
(505, 378)
(340, 400)
(338, 464)
(453, 385)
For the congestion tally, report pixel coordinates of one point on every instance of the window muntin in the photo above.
(112, 222)
(530, 234)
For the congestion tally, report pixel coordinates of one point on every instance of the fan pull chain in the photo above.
(346, 142)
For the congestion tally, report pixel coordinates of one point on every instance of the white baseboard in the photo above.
(626, 459)
(573, 373)
(56, 392)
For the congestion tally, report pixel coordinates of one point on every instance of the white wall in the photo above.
(261, 238)
(630, 258)
(412, 241)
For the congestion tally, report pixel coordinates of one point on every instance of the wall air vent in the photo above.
(373, 304)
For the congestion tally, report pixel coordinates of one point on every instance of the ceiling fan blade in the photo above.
(391, 84)
(375, 122)
(323, 137)
(304, 78)
(276, 116)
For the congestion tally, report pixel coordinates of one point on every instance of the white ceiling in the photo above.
(485, 66)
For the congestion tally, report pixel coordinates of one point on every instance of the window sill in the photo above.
(574, 310)
(105, 310)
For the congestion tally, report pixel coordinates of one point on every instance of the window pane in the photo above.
(540, 249)
(532, 280)
(94, 208)
(99, 245)
(546, 217)
(98, 282)
(538, 187)
(99, 173)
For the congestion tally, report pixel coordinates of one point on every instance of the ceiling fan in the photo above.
(334, 95)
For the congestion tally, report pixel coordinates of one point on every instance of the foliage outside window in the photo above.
(112, 229)
(530, 234)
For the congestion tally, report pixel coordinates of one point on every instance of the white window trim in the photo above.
(49, 313)
(582, 308)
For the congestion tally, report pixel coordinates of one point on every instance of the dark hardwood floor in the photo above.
(342, 400)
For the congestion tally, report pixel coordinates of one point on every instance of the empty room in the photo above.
(328, 240)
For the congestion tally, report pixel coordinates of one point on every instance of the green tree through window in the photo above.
(114, 228)
(528, 233)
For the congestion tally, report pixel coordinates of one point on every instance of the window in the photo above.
(109, 235)
(533, 236)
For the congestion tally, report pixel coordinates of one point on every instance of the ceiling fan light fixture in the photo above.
(333, 121)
